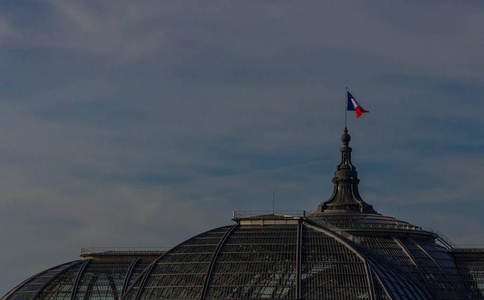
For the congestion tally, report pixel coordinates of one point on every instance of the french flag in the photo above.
(355, 106)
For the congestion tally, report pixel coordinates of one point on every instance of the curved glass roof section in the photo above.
(181, 272)
(344, 250)
(256, 262)
(30, 288)
(287, 259)
(82, 279)
(280, 261)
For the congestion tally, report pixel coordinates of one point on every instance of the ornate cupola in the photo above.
(345, 198)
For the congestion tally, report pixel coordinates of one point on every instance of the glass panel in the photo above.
(386, 248)
(21, 296)
(470, 267)
(102, 280)
(439, 282)
(257, 262)
(29, 289)
(181, 273)
(330, 270)
(61, 287)
(40, 280)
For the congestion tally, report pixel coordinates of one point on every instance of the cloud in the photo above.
(142, 124)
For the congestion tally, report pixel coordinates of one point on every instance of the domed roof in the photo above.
(344, 250)
(101, 275)
(290, 260)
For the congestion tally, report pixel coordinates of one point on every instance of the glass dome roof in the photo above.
(344, 250)
(294, 260)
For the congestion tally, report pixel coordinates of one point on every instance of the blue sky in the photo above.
(140, 124)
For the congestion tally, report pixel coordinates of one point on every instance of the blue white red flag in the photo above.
(355, 106)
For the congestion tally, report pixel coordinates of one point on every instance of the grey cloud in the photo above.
(141, 124)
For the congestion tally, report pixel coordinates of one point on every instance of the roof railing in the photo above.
(465, 249)
(252, 214)
(393, 225)
(121, 250)
(445, 241)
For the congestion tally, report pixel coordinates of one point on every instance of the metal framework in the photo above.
(208, 277)
(31, 288)
(299, 252)
(444, 272)
(470, 266)
(128, 275)
(421, 275)
(78, 279)
(274, 258)
(345, 250)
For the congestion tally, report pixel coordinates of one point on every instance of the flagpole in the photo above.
(346, 101)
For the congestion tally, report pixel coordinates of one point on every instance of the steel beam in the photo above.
(461, 293)
(78, 278)
(213, 260)
(299, 259)
(128, 275)
(369, 277)
(147, 271)
(348, 244)
(414, 262)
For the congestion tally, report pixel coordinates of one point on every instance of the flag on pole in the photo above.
(355, 106)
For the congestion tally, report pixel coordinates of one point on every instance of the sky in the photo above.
(143, 123)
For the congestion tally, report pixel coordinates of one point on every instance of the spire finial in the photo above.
(346, 138)
(345, 198)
